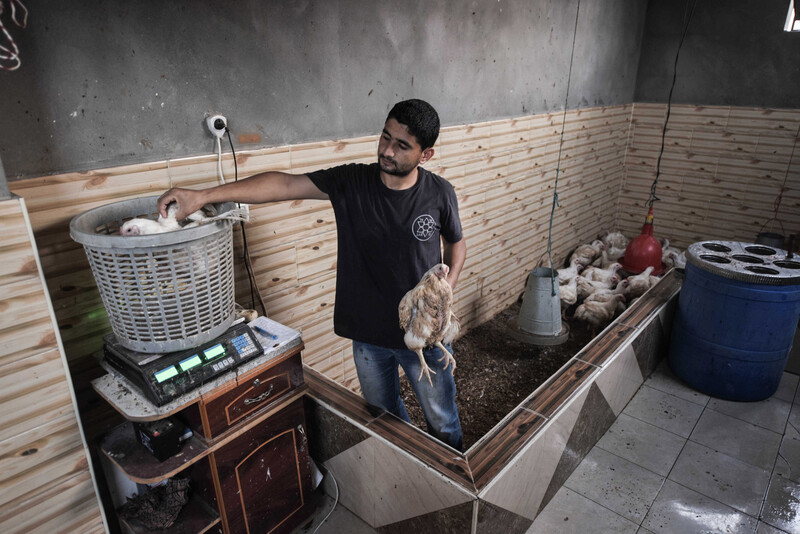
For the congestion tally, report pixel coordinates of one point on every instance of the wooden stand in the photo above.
(248, 459)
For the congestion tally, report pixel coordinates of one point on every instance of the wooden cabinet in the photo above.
(252, 391)
(263, 474)
(248, 459)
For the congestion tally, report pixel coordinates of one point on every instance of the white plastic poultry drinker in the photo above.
(162, 292)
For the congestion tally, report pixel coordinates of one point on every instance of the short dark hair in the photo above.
(420, 118)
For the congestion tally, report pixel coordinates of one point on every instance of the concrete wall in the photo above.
(118, 82)
(735, 53)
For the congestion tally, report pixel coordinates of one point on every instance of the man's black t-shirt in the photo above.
(387, 240)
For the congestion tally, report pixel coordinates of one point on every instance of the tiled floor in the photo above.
(678, 461)
(675, 461)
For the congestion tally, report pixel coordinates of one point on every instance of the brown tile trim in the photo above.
(551, 395)
(652, 301)
(339, 397)
(420, 445)
(601, 348)
(491, 454)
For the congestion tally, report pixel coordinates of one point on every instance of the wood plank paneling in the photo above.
(46, 484)
(722, 172)
(719, 163)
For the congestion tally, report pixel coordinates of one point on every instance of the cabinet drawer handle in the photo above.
(260, 397)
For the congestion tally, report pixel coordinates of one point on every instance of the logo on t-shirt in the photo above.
(424, 227)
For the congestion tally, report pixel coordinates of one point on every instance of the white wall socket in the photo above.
(217, 124)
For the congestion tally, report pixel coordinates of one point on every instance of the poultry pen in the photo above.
(394, 476)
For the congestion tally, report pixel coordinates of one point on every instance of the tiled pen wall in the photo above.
(503, 172)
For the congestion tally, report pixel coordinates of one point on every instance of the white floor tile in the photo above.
(782, 507)
(664, 410)
(746, 442)
(721, 477)
(794, 416)
(788, 464)
(643, 444)
(663, 379)
(764, 528)
(679, 509)
(572, 513)
(771, 413)
(340, 520)
(615, 483)
(787, 387)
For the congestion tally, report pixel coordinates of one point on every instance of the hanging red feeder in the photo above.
(643, 251)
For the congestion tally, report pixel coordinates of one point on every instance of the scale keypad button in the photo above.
(243, 344)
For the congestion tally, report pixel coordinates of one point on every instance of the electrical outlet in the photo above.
(217, 125)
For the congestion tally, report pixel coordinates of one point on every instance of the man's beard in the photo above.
(394, 169)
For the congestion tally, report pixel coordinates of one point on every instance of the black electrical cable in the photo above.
(558, 165)
(254, 293)
(686, 20)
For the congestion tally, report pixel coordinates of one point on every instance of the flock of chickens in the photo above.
(592, 281)
(592, 285)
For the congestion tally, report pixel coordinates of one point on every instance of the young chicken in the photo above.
(637, 285)
(586, 287)
(671, 256)
(568, 294)
(608, 275)
(575, 267)
(142, 226)
(426, 316)
(614, 240)
(598, 313)
(588, 253)
(602, 295)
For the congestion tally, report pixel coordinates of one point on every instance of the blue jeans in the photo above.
(380, 385)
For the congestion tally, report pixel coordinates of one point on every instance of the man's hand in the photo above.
(188, 201)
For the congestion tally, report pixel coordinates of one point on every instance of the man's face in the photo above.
(399, 152)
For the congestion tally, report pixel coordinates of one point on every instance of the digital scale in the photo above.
(166, 376)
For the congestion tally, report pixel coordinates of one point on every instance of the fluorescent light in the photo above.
(792, 21)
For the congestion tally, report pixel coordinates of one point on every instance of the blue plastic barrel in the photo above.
(737, 314)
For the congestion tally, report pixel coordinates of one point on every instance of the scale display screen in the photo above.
(164, 377)
(166, 374)
(214, 352)
(189, 363)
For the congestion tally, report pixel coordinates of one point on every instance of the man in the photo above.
(390, 217)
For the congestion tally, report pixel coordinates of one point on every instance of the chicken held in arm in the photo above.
(426, 316)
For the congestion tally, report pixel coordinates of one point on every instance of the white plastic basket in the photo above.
(162, 292)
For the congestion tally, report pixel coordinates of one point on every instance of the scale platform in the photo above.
(166, 376)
